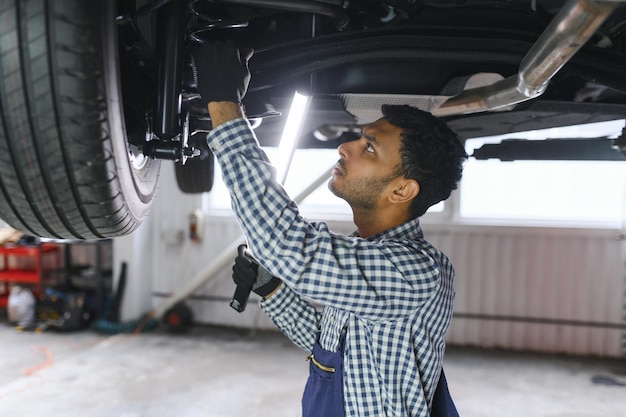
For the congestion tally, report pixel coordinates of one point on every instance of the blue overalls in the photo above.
(443, 406)
(323, 394)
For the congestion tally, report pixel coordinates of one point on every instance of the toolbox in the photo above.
(35, 267)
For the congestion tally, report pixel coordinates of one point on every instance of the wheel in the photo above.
(66, 169)
(196, 176)
(179, 318)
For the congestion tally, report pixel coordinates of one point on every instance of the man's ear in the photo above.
(404, 191)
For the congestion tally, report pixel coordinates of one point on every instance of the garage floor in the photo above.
(230, 373)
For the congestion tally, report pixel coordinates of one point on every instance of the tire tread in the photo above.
(58, 174)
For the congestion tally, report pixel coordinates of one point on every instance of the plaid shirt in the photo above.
(393, 290)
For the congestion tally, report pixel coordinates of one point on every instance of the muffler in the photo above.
(570, 29)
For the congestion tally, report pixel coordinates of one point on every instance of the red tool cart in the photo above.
(33, 267)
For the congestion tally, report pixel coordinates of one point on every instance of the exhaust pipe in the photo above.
(570, 29)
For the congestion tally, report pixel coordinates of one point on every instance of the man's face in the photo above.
(367, 165)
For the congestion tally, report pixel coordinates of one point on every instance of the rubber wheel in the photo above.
(196, 176)
(178, 319)
(65, 166)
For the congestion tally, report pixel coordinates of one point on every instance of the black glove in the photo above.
(221, 71)
(248, 274)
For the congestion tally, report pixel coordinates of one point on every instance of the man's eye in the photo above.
(369, 148)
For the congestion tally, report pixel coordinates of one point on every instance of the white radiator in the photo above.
(549, 290)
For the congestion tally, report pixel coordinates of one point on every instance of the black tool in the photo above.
(240, 298)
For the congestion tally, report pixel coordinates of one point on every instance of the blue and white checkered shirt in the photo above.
(393, 290)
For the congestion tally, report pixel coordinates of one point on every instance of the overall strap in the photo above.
(443, 406)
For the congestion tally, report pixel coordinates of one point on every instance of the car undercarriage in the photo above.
(95, 94)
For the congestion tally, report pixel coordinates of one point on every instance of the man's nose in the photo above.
(345, 149)
(342, 150)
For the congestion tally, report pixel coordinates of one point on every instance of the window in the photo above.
(307, 166)
(568, 192)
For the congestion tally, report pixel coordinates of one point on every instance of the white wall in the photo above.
(532, 288)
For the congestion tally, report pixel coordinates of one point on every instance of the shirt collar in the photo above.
(410, 230)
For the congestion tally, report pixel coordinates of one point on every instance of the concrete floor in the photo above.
(215, 372)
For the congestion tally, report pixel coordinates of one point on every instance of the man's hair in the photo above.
(431, 153)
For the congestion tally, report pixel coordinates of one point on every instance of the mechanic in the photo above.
(378, 344)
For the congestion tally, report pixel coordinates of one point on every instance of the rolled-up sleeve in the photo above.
(294, 317)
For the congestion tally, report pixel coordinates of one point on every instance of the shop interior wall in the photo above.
(530, 288)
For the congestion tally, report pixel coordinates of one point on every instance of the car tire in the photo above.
(196, 175)
(66, 170)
